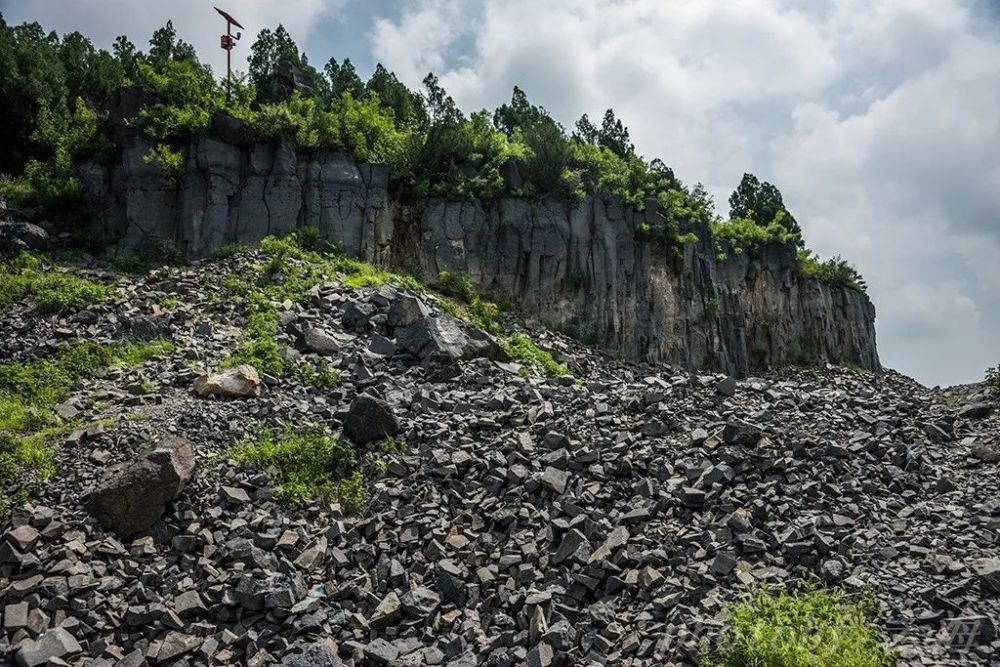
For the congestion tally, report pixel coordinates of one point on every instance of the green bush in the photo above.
(808, 627)
(307, 463)
(993, 379)
(834, 271)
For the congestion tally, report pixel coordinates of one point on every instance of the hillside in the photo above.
(497, 505)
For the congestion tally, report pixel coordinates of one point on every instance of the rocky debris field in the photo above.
(510, 517)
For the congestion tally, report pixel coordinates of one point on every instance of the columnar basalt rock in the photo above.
(578, 266)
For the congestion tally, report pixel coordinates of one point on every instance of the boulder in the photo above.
(133, 496)
(56, 644)
(18, 236)
(370, 419)
(356, 316)
(405, 310)
(988, 572)
(318, 341)
(238, 382)
(144, 328)
(445, 338)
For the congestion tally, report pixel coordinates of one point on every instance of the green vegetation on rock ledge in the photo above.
(433, 149)
(808, 627)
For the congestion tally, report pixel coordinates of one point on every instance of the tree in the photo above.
(518, 114)
(613, 135)
(278, 69)
(441, 108)
(164, 47)
(343, 79)
(549, 155)
(586, 131)
(407, 106)
(128, 58)
(761, 202)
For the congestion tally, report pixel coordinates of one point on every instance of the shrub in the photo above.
(741, 235)
(808, 627)
(170, 161)
(307, 463)
(993, 379)
(834, 271)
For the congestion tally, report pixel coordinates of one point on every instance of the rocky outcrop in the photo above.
(578, 266)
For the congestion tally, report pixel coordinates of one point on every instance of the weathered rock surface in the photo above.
(574, 266)
(132, 497)
(237, 382)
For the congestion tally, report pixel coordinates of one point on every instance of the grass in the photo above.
(28, 278)
(28, 392)
(307, 463)
(808, 627)
(524, 349)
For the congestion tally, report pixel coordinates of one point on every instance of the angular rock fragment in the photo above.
(134, 495)
(370, 419)
(238, 382)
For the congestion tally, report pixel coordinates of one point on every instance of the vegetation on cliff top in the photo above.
(60, 108)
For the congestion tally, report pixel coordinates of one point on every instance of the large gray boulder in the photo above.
(133, 496)
(446, 338)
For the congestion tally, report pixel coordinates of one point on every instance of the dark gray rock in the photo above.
(134, 495)
(370, 419)
(18, 236)
(57, 643)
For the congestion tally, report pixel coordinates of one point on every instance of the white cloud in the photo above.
(876, 118)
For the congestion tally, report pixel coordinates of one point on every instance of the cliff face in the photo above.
(576, 266)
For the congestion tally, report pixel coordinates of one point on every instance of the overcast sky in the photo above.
(879, 120)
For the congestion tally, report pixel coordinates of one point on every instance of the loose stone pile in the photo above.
(601, 520)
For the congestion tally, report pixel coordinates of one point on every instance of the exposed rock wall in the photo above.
(576, 266)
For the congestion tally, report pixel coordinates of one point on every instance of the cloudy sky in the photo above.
(879, 120)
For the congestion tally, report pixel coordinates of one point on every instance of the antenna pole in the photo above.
(229, 59)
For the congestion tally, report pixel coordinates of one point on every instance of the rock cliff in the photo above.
(578, 266)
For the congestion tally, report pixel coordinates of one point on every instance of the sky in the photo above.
(879, 120)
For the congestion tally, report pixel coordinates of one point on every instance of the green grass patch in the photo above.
(51, 290)
(307, 463)
(808, 627)
(524, 349)
(28, 392)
